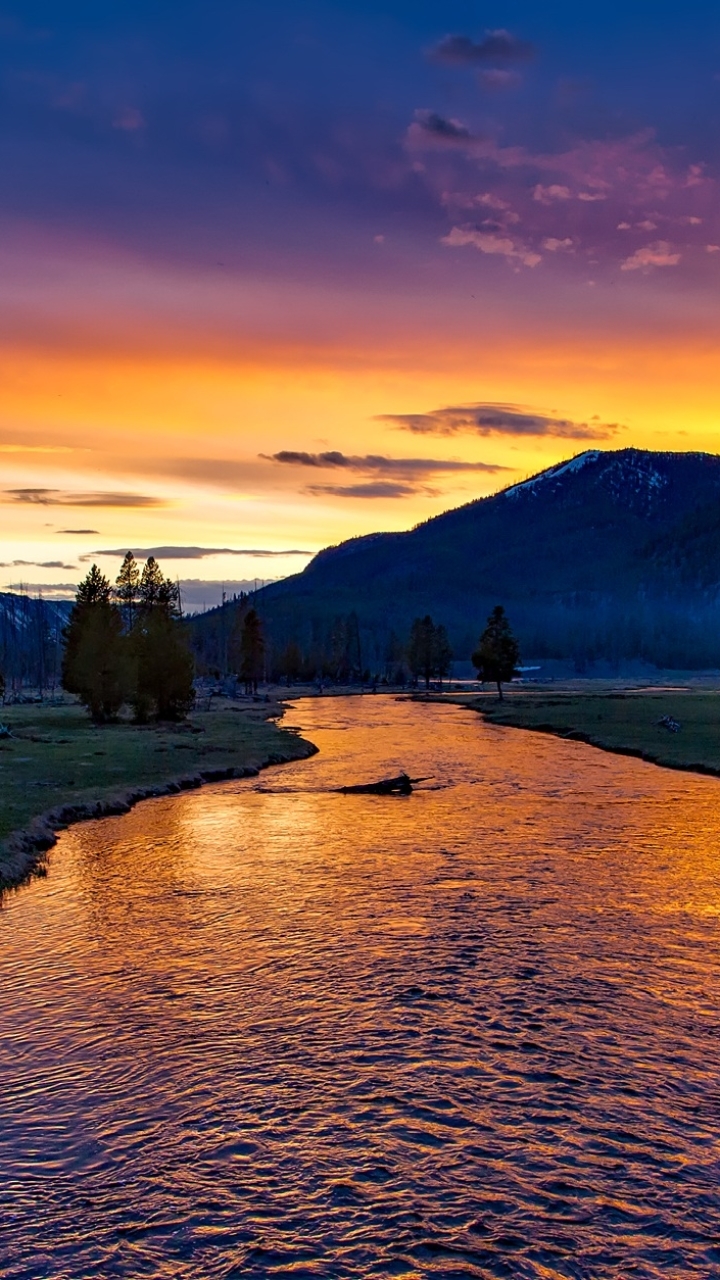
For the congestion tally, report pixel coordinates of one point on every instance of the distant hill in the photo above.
(612, 555)
(31, 641)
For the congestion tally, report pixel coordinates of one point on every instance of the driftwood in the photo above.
(400, 786)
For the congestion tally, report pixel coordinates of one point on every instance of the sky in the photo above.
(273, 275)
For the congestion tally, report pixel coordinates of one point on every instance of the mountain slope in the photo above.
(589, 556)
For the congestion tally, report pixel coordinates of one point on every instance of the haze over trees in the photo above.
(498, 653)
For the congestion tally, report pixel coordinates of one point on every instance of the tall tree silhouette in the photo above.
(498, 653)
(127, 589)
(429, 653)
(95, 661)
(163, 664)
(252, 648)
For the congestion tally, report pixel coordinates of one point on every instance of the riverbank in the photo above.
(58, 768)
(625, 722)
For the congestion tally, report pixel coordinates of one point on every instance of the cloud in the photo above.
(498, 419)
(377, 464)
(373, 489)
(489, 242)
(546, 195)
(84, 531)
(58, 498)
(49, 590)
(192, 553)
(595, 191)
(432, 130)
(36, 564)
(496, 46)
(495, 78)
(552, 244)
(658, 254)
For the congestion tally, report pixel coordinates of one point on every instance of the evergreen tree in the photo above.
(421, 651)
(95, 665)
(156, 591)
(162, 661)
(443, 653)
(127, 589)
(252, 651)
(498, 653)
(291, 662)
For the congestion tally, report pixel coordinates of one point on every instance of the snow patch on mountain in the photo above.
(554, 473)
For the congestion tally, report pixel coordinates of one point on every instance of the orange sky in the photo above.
(139, 401)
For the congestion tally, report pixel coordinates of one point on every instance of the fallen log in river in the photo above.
(400, 786)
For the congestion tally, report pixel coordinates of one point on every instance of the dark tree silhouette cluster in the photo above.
(126, 645)
(429, 653)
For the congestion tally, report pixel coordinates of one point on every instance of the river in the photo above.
(265, 1030)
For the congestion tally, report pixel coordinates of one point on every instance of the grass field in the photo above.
(56, 757)
(624, 722)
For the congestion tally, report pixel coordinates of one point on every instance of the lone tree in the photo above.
(498, 653)
(252, 651)
(95, 665)
(429, 653)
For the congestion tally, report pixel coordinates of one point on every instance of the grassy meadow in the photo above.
(622, 721)
(56, 757)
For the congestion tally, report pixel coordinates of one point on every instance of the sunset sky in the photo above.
(276, 275)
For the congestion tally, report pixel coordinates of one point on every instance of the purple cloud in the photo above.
(496, 46)
(498, 419)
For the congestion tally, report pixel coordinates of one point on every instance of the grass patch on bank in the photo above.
(56, 756)
(624, 722)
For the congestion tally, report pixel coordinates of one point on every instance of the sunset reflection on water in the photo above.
(263, 1029)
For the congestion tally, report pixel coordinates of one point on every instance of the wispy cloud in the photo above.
(499, 419)
(78, 531)
(36, 564)
(496, 46)
(490, 242)
(377, 464)
(59, 498)
(372, 489)
(658, 254)
(514, 202)
(193, 553)
(429, 130)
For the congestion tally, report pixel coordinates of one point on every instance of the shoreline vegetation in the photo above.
(621, 720)
(58, 768)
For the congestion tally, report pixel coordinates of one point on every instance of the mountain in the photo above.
(31, 641)
(611, 555)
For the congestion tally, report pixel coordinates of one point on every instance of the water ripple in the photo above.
(264, 1030)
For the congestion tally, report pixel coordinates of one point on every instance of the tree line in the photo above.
(231, 641)
(126, 644)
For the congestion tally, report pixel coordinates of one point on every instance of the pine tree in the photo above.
(253, 651)
(127, 589)
(421, 649)
(162, 661)
(498, 653)
(95, 661)
(443, 653)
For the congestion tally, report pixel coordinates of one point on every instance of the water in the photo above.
(264, 1030)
